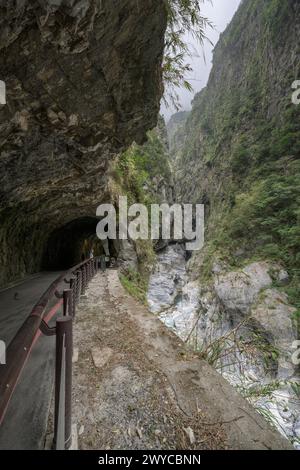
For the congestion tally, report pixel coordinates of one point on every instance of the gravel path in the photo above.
(135, 385)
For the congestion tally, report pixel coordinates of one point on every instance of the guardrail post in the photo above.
(63, 384)
(73, 287)
(67, 302)
(89, 271)
(83, 280)
(79, 284)
(86, 267)
(92, 268)
(103, 263)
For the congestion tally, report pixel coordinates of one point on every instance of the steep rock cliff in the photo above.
(83, 81)
(242, 139)
(238, 152)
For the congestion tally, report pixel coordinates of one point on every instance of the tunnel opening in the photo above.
(75, 242)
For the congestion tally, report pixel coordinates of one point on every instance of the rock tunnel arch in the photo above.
(84, 95)
(75, 241)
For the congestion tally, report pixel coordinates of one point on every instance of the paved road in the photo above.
(26, 418)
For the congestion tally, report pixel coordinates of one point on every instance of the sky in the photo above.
(220, 13)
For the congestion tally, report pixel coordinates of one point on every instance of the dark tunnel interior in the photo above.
(74, 242)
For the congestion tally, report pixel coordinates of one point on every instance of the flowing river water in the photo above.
(194, 317)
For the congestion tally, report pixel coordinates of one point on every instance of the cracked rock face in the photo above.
(83, 81)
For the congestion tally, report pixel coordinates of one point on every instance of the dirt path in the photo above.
(137, 387)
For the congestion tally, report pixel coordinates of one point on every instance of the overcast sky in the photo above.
(220, 12)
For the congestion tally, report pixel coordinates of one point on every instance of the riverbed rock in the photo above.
(238, 290)
(248, 293)
(283, 277)
(273, 316)
(218, 267)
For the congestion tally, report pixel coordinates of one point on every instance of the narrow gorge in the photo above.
(236, 301)
(170, 348)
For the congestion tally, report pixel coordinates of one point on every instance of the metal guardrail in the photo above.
(20, 347)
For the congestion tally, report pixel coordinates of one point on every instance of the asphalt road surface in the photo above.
(25, 422)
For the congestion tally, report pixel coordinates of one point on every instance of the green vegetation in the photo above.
(243, 138)
(135, 284)
(272, 17)
(267, 217)
(137, 173)
(137, 168)
(265, 390)
(184, 17)
(225, 346)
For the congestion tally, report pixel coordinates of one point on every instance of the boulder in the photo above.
(249, 293)
(238, 290)
(273, 316)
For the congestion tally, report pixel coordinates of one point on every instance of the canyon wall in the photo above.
(237, 152)
(241, 140)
